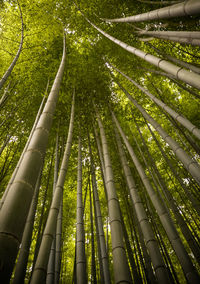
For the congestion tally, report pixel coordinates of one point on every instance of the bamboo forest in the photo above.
(100, 141)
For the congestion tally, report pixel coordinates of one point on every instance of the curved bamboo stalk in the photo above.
(190, 78)
(182, 120)
(21, 191)
(10, 68)
(39, 273)
(152, 246)
(189, 37)
(121, 269)
(186, 8)
(191, 166)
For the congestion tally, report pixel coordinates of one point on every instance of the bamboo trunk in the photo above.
(58, 255)
(186, 37)
(80, 234)
(180, 220)
(193, 200)
(176, 60)
(17, 203)
(93, 263)
(191, 166)
(158, 264)
(39, 273)
(51, 263)
(190, 78)
(22, 261)
(121, 269)
(165, 218)
(104, 256)
(22, 155)
(186, 8)
(182, 120)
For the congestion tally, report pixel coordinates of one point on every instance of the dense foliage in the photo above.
(88, 74)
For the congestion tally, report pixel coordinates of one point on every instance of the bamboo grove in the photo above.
(100, 141)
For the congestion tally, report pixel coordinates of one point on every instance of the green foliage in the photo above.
(87, 74)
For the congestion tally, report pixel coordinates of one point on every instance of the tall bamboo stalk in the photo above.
(58, 238)
(189, 194)
(176, 210)
(24, 151)
(163, 214)
(190, 78)
(136, 277)
(51, 262)
(5, 96)
(182, 120)
(39, 273)
(152, 246)
(41, 221)
(104, 256)
(187, 37)
(176, 60)
(21, 191)
(191, 166)
(22, 261)
(93, 263)
(80, 232)
(58, 254)
(121, 269)
(186, 8)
